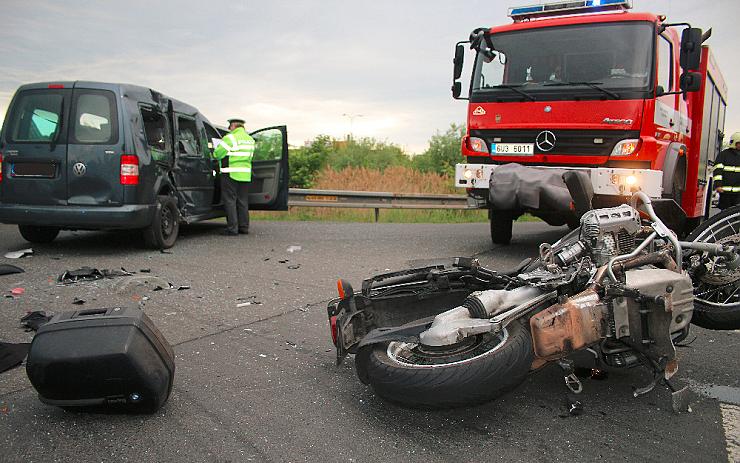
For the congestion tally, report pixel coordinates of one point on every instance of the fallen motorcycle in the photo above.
(622, 286)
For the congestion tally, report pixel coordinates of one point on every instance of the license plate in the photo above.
(513, 149)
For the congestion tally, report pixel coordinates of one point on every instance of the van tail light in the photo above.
(129, 169)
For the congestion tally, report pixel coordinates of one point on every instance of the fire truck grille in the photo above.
(567, 142)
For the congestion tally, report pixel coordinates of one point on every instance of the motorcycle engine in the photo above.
(605, 233)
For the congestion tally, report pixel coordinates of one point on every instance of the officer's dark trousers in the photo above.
(728, 200)
(236, 204)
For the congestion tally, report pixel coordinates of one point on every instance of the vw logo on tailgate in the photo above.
(545, 140)
(79, 169)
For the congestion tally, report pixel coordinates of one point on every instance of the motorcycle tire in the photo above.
(476, 370)
(717, 295)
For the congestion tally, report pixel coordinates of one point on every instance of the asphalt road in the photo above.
(258, 382)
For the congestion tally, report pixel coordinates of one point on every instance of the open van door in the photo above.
(268, 190)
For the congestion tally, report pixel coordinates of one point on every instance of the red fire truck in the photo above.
(627, 99)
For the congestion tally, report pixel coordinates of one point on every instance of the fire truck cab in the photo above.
(626, 100)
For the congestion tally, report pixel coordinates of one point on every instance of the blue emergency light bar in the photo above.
(573, 7)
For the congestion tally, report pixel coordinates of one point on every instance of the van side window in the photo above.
(35, 117)
(155, 128)
(188, 142)
(95, 119)
(268, 145)
(211, 133)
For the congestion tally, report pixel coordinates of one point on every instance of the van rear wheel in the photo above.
(36, 234)
(162, 233)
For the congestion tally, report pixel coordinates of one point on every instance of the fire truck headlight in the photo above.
(631, 180)
(468, 174)
(626, 147)
(478, 145)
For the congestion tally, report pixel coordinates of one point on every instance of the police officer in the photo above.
(727, 173)
(235, 156)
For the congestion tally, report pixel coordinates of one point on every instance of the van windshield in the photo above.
(35, 117)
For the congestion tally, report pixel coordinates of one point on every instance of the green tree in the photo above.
(443, 152)
(366, 152)
(307, 161)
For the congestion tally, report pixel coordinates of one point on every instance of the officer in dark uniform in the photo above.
(727, 174)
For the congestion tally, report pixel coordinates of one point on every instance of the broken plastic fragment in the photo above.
(294, 248)
(294, 267)
(17, 291)
(19, 254)
(34, 320)
(10, 269)
(78, 301)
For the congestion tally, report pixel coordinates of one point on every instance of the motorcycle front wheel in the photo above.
(716, 287)
(476, 370)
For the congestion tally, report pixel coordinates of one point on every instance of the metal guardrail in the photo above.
(375, 200)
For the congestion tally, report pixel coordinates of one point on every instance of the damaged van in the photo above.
(103, 156)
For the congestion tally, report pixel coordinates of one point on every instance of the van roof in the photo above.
(134, 92)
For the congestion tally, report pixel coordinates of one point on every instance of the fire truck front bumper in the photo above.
(514, 186)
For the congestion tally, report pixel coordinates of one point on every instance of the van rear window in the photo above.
(35, 117)
(95, 118)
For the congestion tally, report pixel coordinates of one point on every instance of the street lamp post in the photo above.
(352, 118)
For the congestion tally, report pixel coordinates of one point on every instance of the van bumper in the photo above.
(79, 217)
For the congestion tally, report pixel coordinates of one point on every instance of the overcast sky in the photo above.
(306, 64)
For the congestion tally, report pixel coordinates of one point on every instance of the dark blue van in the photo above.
(92, 156)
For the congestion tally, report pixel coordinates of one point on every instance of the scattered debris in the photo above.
(294, 248)
(19, 254)
(32, 321)
(294, 267)
(244, 304)
(304, 309)
(170, 313)
(6, 269)
(263, 356)
(78, 301)
(182, 287)
(284, 261)
(266, 259)
(12, 355)
(146, 270)
(164, 251)
(90, 274)
(17, 291)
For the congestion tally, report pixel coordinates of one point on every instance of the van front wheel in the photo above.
(162, 233)
(36, 234)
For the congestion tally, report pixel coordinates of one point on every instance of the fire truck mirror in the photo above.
(691, 40)
(456, 89)
(660, 91)
(459, 56)
(690, 81)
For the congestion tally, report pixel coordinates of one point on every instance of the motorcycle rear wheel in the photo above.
(473, 371)
(717, 292)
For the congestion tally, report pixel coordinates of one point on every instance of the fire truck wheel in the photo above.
(475, 370)
(502, 223)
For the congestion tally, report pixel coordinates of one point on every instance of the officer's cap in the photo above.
(237, 120)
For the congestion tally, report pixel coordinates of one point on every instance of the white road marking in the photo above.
(731, 423)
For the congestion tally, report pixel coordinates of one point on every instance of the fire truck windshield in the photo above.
(599, 60)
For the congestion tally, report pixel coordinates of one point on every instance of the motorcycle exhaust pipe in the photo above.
(472, 317)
